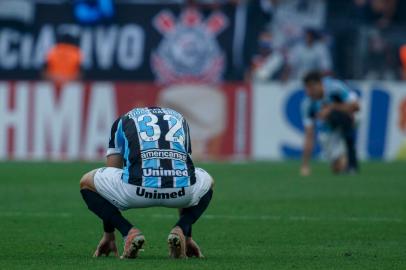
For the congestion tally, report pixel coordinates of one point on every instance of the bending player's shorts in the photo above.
(125, 196)
(332, 145)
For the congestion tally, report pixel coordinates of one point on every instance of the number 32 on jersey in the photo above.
(149, 130)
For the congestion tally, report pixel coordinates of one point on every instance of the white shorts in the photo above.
(125, 196)
(333, 146)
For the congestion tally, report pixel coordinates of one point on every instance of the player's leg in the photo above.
(180, 239)
(107, 244)
(109, 213)
(339, 165)
(350, 141)
(192, 248)
(345, 123)
(333, 147)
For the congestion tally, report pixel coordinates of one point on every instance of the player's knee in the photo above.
(212, 183)
(86, 182)
(337, 167)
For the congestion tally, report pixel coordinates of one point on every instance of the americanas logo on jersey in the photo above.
(189, 51)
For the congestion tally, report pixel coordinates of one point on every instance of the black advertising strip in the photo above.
(141, 42)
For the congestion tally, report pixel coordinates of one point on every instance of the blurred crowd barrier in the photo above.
(40, 120)
(277, 130)
(232, 120)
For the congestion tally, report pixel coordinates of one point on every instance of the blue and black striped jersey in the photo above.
(335, 91)
(155, 145)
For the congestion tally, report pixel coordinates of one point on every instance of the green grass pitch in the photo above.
(263, 216)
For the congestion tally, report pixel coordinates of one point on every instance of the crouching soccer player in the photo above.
(148, 164)
(330, 107)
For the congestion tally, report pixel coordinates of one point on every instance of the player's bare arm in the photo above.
(350, 107)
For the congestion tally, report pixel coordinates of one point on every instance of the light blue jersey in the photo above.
(335, 91)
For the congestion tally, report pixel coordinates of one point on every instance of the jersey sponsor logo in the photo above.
(148, 172)
(163, 154)
(160, 195)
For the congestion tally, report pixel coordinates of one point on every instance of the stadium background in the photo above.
(201, 58)
(131, 57)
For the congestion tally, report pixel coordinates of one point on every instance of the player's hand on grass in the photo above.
(106, 246)
(305, 170)
(192, 249)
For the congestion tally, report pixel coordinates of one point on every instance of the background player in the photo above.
(330, 107)
(148, 164)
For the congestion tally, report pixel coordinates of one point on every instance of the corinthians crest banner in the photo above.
(189, 50)
(138, 42)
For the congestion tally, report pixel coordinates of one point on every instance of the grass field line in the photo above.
(292, 218)
(223, 217)
(36, 214)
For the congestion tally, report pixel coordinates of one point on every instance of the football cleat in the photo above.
(133, 244)
(177, 244)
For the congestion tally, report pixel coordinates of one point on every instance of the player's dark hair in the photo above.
(313, 76)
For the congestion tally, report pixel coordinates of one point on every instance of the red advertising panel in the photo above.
(39, 121)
